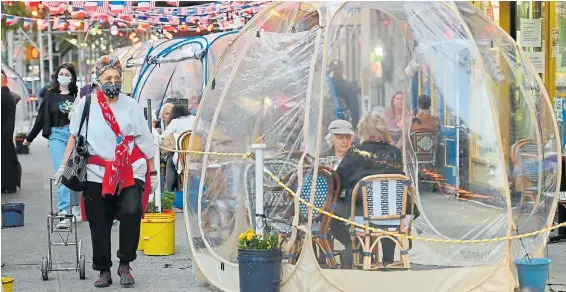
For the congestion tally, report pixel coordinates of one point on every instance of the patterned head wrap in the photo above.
(107, 62)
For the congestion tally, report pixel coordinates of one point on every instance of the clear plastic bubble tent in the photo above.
(495, 174)
(175, 68)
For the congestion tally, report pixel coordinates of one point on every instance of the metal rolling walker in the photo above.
(65, 234)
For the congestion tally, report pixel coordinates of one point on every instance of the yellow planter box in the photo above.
(7, 284)
(158, 234)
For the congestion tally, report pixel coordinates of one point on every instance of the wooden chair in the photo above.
(325, 196)
(183, 143)
(524, 156)
(385, 204)
(425, 146)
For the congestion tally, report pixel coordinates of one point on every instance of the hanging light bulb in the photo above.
(34, 13)
(198, 29)
(99, 31)
(210, 27)
(114, 30)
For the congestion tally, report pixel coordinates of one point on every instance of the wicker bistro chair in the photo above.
(385, 198)
(273, 199)
(425, 146)
(325, 196)
(183, 144)
(524, 155)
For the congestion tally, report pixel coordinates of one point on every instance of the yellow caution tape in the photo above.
(243, 155)
(426, 239)
(347, 221)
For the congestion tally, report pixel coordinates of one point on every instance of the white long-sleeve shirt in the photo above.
(176, 127)
(101, 140)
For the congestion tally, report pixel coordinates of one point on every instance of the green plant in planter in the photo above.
(251, 240)
(167, 199)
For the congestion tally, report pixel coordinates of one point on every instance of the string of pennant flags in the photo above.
(79, 15)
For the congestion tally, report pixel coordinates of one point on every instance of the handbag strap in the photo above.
(85, 115)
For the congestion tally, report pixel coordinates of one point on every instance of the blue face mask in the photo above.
(112, 90)
(64, 80)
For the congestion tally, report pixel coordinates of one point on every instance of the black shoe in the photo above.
(125, 273)
(104, 280)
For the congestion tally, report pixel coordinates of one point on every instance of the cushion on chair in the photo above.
(281, 228)
(385, 197)
(385, 223)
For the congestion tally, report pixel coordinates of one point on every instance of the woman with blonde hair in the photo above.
(373, 155)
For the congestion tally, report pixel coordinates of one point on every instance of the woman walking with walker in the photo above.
(120, 169)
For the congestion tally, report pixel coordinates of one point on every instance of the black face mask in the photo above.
(112, 90)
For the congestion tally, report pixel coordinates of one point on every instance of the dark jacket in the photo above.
(8, 113)
(47, 118)
(347, 94)
(365, 159)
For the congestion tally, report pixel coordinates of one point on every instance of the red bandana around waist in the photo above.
(119, 172)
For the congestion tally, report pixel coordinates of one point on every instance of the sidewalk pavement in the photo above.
(23, 247)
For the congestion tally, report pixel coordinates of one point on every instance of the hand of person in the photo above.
(153, 179)
(26, 142)
(58, 175)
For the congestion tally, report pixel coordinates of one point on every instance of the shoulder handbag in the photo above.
(74, 175)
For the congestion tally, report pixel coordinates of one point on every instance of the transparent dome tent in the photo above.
(24, 108)
(138, 51)
(177, 68)
(494, 173)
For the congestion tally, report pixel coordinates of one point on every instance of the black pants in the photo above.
(171, 175)
(101, 212)
(341, 232)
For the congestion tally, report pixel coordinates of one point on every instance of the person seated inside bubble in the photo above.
(339, 138)
(394, 117)
(180, 120)
(374, 154)
(424, 121)
(162, 116)
(193, 103)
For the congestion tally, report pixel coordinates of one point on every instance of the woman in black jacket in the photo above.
(373, 155)
(11, 169)
(53, 121)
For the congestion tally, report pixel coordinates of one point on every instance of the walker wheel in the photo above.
(44, 268)
(82, 267)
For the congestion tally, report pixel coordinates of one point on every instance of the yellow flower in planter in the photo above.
(250, 236)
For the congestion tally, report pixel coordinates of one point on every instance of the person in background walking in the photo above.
(89, 88)
(11, 169)
(53, 121)
(120, 169)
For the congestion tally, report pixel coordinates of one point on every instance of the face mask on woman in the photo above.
(112, 90)
(64, 80)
